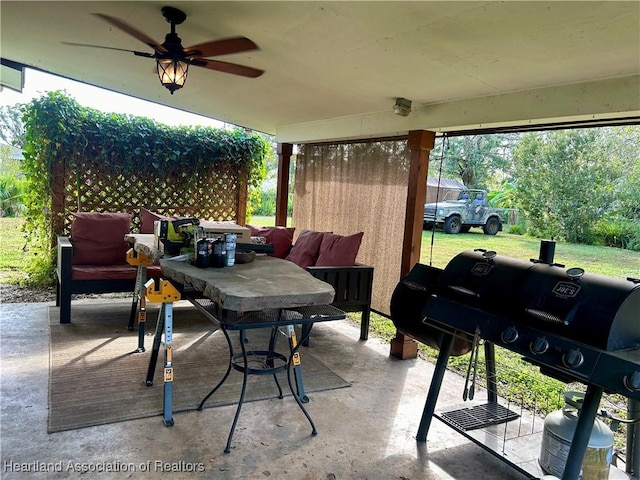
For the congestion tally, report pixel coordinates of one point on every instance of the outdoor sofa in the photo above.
(330, 258)
(93, 261)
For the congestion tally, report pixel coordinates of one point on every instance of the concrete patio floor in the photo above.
(366, 431)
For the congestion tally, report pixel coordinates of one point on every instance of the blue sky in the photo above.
(37, 83)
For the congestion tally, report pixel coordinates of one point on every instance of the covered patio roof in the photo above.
(335, 69)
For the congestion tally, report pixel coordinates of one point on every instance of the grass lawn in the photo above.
(612, 262)
(13, 252)
(260, 221)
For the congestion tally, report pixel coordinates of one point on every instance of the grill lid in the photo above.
(592, 309)
(407, 302)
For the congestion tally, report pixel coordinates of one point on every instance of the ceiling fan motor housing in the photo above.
(173, 15)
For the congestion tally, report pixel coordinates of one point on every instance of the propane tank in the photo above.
(559, 427)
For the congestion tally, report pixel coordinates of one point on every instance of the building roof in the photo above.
(333, 70)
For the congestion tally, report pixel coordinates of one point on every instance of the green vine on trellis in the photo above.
(58, 129)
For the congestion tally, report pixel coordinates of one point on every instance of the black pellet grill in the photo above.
(574, 325)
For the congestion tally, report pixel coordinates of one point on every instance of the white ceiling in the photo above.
(334, 69)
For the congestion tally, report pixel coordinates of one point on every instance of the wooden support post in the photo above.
(285, 150)
(420, 143)
(57, 202)
(243, 194)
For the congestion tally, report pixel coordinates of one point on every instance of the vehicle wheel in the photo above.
(452, 225)
(492, 226)
(465, 228)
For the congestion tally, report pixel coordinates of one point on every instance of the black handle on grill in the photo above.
(415, 286)
(464, 291)
(546, 317)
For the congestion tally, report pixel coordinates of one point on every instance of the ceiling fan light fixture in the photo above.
(172, 73)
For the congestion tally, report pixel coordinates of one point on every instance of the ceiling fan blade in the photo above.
(140, 54)
(221, 47)
(125, 27)
(226, 67)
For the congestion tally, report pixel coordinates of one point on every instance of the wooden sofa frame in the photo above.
(67, 286)
(353, 286)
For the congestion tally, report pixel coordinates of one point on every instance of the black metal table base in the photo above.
(257, 362)
(264, 362)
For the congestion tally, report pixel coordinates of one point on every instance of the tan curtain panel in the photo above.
(357, 187)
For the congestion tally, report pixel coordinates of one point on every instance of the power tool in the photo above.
(177, 235)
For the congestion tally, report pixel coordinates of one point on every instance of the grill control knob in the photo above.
(573, 358)
(539, 346)
(509, 335)
(632, 382)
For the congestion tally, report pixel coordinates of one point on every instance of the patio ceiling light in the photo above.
(172, 72)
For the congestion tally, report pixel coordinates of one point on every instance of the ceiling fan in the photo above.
(173, 59)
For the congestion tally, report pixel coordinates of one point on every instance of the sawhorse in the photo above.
(141, 261)
(295, 362)
(166, 293)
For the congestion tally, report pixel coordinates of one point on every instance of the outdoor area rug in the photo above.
(95, 376)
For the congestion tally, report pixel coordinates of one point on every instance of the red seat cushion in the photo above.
(98, 238)
(111, 272)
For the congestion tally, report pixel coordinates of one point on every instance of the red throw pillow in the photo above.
(338, 250)
(98, 238)
(280, 237)
(148, 218)
(307, 248)
(255, 231)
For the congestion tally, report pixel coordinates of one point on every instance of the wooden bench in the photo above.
(90, 279)
(353, 286)
(94, 259)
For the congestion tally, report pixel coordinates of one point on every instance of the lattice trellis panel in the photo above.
(89, 187)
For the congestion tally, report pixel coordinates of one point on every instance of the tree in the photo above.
(262, 197)
(566, 181)
(11, 176)
(621, 146)
(11, 125)
(481, 161)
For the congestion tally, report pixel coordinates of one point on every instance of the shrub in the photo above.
(517, 229)
(617, 232)
(39, 269)
(634, 244)
(11, 195)
(267, 203)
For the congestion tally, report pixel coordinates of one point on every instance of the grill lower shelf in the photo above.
(478, 416)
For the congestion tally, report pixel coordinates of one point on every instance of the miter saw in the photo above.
(177, 236)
